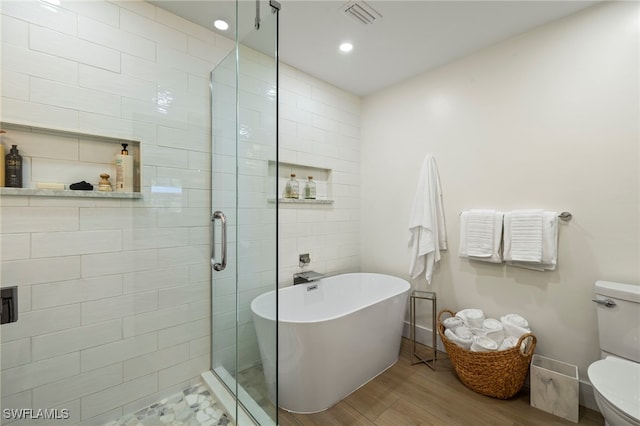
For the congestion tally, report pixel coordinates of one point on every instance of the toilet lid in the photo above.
(618, 380)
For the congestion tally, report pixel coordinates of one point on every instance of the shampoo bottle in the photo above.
(13, 168)
(124, 171)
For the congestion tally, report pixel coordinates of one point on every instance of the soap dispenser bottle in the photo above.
(124, 170)
(13, 168)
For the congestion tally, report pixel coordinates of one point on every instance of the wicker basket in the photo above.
(499, 374)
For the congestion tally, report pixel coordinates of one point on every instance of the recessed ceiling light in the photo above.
(346, 47)
(221, 25)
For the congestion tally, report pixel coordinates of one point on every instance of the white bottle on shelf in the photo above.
(124, 171)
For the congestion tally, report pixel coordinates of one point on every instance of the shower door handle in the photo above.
(219, 266)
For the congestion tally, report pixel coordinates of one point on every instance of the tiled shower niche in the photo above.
(60, 156)
(321, 176)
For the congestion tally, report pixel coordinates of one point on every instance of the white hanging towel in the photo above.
(526, 235)
(481, 235)
(548, 244)
(426, 224)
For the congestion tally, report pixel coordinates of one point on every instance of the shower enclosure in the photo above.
(118, 305)
(244, 90)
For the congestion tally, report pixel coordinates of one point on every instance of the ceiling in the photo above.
(411, 37)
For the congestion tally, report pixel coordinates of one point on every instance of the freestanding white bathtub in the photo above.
(334, 336)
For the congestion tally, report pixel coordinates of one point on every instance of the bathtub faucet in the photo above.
(306, 277)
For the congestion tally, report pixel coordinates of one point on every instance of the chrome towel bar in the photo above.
(566, 216)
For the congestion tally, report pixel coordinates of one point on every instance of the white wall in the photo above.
(114, 294)
(319, 127)
(545, 120)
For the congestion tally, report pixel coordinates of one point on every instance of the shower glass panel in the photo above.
(244, 182)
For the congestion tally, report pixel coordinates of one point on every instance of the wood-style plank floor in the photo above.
(409, 394)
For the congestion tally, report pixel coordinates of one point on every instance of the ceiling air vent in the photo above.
(361, 12)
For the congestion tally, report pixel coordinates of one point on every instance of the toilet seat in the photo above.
(618, 381)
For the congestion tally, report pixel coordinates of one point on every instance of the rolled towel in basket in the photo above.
(508, 343)
(478, 331)
(515, 325)
(463, 332)
(483, 344)
(515, 319)
(472, 317)
(461, 337)
(452, 323)
(494, 329)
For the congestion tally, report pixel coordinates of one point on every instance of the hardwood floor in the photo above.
(409, 394)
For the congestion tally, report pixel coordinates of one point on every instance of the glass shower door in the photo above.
(244, 182)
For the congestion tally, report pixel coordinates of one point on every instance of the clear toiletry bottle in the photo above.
(124, 171)
(13, 168)
(292, 190)
(310, 189)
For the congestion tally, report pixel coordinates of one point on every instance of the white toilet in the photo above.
(616, 377)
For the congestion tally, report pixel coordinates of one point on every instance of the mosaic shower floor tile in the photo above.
(194, 406)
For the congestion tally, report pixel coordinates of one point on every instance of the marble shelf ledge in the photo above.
(299, 201)
(30, 192)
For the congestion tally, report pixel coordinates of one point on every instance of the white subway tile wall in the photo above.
(320, 128)
(114, 306)
(114, 294)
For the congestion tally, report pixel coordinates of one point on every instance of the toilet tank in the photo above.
(619, 325)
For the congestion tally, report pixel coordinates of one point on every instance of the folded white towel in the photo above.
(483, 344)
(460, 341)
(452, 323)
(523, 235)
(471, 317)
(480, 224)
(494, 329)
(426, 224)
(549, 246)
(508, 343)
(481, 235)
(515, 325)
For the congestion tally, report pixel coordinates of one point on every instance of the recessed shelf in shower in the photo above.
(68, 156)
(322, 177)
